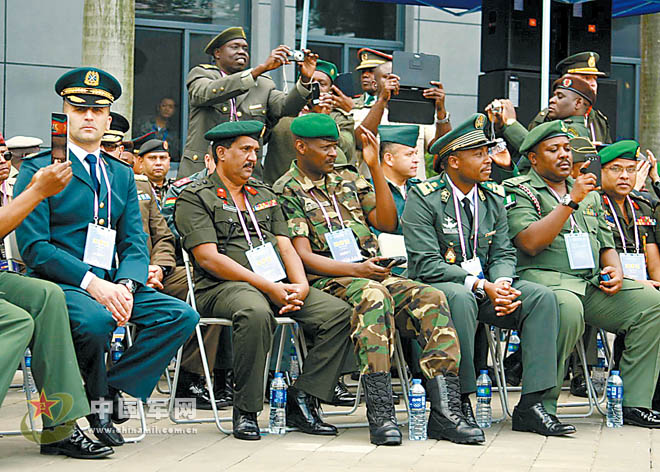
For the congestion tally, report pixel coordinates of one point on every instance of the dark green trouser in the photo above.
(536, 321)
(28, 305)
(322, 317)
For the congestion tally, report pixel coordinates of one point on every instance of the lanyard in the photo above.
(96, 197)
(573, 222)
(4, 193)
(459, 218)
(232, 105)
(618, 225)
(255, 223)
(325, 213)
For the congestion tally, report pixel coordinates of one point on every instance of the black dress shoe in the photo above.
(641, 417)
(193, 386)
(342, 396)
(513, 370)
(77, 446)
(536, 419)
(101, 425)
(302, 413)
(224, 387)
(119, 413)
(245, 425)
(579, 386)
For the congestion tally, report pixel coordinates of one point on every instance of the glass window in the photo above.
(625, 36)
(350, 18)
(625, 110)
(198, 42)
(157, 86)
(226, 12)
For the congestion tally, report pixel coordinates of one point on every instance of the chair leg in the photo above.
(591, 396)
(498, 369)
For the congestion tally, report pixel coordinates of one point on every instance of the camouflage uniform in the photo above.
(416, 309)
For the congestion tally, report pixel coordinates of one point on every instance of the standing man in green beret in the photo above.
(332, 102)
(230, 91)
(564, 242)
(584, 65)
(329, 211)
(457, 241)
(248, 271)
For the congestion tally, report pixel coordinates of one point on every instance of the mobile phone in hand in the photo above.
(391, 261)
(59, 136)
(594, 167)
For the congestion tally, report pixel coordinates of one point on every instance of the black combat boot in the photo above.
(447, 420)
(383, 430)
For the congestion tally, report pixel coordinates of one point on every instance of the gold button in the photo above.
(101, 221)
(263, 112)
(101, 205)
(215, 90)
(222, 89)
(224, 108)
(195, 157)
(239, 114)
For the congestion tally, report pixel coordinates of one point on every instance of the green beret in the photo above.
(88, 87)
(315, 125)
(626, 149)
(467, 135)
(580, 63)
(153, 145)
(235, 32)
(399, 134)
(328, 68)
(582, 149)
(231, 129)
(542, 132)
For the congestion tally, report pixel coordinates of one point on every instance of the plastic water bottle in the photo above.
(117, 345)
(28, 372)
(600, 369)
(417, 399)
(294, 365)
(614, 400)
(484, 394)
(277, 420)
(514, 343)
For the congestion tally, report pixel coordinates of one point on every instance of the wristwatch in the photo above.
(566, 200)
(479, 292)
(166, 270)
(129, 284)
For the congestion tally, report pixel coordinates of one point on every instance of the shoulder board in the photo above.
(256, 182)
(429, 186)
(414, 181)
(278, 186)
(601, 115)
(514, 181)
(184, 181)
(198, 185)
(141, 178)
(37, 154)
(641, 198)
(494, 187)
(116, 159)
(209, 66)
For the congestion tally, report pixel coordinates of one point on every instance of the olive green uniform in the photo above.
(635, 310)
(205, 213)
(417, 310)
(430, 229)
(596, 118)
(209, 100)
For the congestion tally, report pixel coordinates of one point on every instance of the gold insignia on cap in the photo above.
(479, 122)
(332, 71)
(75, 99)
(638, 154)
(365, 56)
(103, 101)
(591, 62)
(165, 145)
(92, 78)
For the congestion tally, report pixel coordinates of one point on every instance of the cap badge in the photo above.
(165, 145)
(479, 122)
(365, 56)
(92, 78)
(591, 62)
(566, 83)
(332, 72)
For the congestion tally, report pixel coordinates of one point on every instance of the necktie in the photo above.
(468, 211)
(91, 160)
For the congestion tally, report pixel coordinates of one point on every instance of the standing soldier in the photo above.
(369, 60)
(227, 91)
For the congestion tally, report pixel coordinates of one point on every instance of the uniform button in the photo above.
(195, 157)
(215, 90)
(101, 205)
(239, 114)
(224, 108)
(222, 89)
(263, 112)
(101, 221)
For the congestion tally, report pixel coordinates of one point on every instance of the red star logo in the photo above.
(43, 405)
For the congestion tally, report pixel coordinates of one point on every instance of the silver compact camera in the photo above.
(496, 106)
(296, 55)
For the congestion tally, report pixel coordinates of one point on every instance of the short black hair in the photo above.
(227, 143)
(385, 146)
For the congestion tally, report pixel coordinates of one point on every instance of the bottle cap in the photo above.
(417, 381)
(484, 371)
(278, 375)
(615, 372)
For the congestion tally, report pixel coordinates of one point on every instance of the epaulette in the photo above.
(37, 154)
(638, 196)
(209, 66)
(105, 154)
(198, 185)
(278, 186)
(346, 166)
(515, 181)
(429, 186)
(494, 187)
(184, 181)
(257, 183)
(141, 178)
(602, 115)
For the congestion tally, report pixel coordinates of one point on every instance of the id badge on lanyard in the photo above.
(634, 264)
(100, 241)
(342, 243)
(263, 259)
(578, 244)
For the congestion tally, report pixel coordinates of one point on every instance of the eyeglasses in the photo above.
(110, 147)
(619, 170)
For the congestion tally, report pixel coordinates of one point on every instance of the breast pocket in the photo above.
(257, 111)
(592, 224)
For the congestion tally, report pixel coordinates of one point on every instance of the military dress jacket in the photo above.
(529, 199)
(596, 119)
(355, 198)
(209, 101)
(52, 237)
(430, 229)
(646, 219)
(173, 193)
(160, 240)
(206, 213)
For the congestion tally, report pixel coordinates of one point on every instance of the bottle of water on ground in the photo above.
(599, 372)
(614, 400)
(32, 387)
(117, 345)
(514, 343)
(294, 365)
(277, 420)
(417, 399)
(484, 394)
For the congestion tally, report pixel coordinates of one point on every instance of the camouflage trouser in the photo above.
(416, 309)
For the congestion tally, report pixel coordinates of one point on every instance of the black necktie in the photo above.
(468, 211)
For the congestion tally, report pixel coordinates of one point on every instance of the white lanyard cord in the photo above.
(255, 223)
(325, 213)
(233, 115)
(96, 197)
(618, 225)
(475, 224)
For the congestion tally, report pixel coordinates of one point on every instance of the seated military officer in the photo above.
(247, 271)
(564, 242)
(328, 212)
(33, 313)
(457, 240)
(89, 239)
(153, 159)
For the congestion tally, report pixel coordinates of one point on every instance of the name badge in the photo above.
(99, 246)
(473, 267)
(578, 247)
(634, 265)
(264, 261)
(343, 245)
